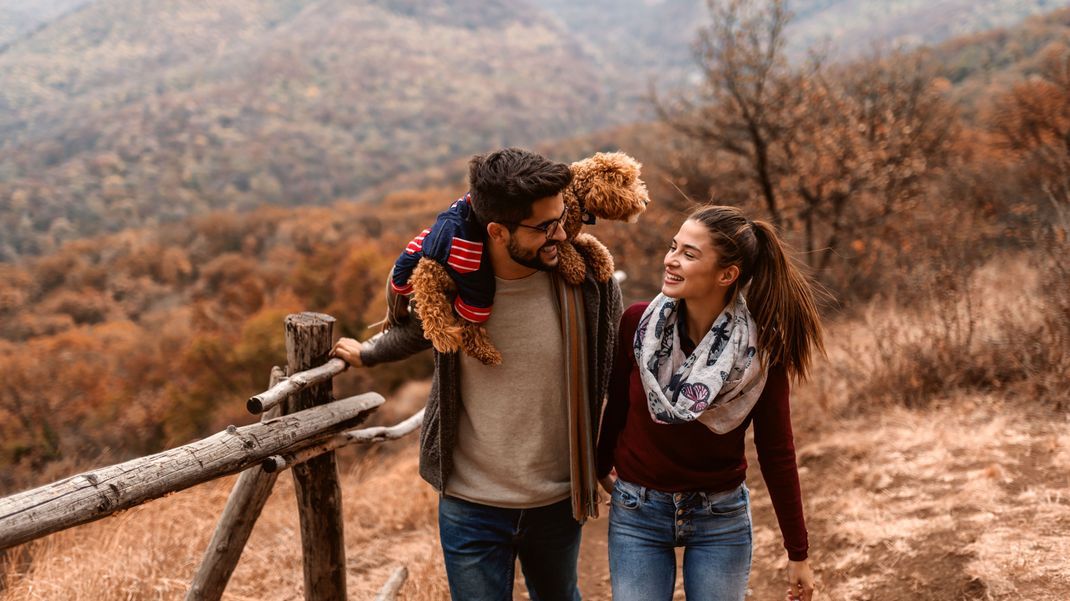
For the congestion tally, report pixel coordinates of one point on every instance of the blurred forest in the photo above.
(895, 175)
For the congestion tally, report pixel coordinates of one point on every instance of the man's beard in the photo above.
(531, 260)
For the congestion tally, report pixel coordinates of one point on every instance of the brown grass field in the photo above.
(963, 497)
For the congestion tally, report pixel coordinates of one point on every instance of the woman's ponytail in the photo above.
(782, 301)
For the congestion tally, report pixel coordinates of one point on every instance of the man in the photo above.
(496, 440)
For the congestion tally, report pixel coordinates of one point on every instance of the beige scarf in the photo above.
(581, 435)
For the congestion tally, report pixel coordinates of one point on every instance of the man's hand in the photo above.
(800, 581)
(348, 350)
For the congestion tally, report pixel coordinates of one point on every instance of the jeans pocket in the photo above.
(626, 497)
(727, 505)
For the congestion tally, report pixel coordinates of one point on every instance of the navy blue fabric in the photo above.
(455, 241)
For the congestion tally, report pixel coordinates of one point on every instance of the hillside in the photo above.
(980, 64)
(18, 18)
(108, 122)
(854, 27)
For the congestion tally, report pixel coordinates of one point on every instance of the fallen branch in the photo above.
(389, 592)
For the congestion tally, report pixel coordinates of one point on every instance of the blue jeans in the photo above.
(482, 543)
(645, 527)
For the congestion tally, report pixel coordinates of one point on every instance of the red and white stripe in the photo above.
(404, 290)
(465, 256)
(472, 314)
(417, 243)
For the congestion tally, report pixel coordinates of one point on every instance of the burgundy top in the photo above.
(688, 456)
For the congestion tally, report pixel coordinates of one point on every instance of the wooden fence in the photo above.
(300, 428)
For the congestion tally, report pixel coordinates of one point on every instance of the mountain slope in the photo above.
(297, 102)
(19, 18)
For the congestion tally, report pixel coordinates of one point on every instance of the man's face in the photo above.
(530, 247)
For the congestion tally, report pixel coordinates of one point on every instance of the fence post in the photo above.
(319, 497)
(244, 505)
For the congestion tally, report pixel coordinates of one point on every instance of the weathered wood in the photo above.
(278, 392)
(319, 496)
(277, 463)
(390, 590)
(95, 494)
(244, 505)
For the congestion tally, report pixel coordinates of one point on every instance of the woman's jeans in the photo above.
(482, 543)
(645, 527)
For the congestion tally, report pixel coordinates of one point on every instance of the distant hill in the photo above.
(128, 113)
(854, 27)
(991, 60)
(19, 17)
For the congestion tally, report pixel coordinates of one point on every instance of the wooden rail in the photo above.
(300, 428)
(99, 493)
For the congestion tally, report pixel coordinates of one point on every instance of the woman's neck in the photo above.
(701, 312)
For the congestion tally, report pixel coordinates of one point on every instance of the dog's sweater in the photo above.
(455, 241)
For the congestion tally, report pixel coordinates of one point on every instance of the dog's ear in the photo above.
(608, 184)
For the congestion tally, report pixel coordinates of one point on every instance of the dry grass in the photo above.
(1002, 328)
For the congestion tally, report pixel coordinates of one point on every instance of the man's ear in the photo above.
(497, 232)
(729, 275)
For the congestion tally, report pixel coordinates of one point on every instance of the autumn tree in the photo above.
(738, 112)
(829, 153)
(1032, 123)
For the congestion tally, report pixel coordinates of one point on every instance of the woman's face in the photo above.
(691, 270)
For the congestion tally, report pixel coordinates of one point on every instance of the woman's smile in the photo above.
(672, 279)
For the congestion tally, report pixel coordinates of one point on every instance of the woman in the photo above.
(707, 357)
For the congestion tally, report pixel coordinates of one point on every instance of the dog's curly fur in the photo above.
(606, 185)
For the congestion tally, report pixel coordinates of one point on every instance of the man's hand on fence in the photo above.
(348, 350)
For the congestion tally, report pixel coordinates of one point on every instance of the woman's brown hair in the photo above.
(779, 295)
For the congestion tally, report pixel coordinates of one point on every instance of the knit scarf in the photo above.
(717, 384)
(584, 483)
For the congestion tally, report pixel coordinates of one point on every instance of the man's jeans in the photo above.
(481, 545)
(645, 527)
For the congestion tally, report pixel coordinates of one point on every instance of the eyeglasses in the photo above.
(550, 228)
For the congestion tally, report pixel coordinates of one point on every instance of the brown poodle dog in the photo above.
(606, 185)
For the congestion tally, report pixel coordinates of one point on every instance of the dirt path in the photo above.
(942, 504)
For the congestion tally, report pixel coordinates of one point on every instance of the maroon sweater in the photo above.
(689, 457)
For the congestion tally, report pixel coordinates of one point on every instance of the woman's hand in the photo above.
(608, 482)
(347, 350)
(800, 581)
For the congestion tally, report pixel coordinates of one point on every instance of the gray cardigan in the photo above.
(438, 435)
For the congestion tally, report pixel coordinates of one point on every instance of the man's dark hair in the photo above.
(507, 182)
